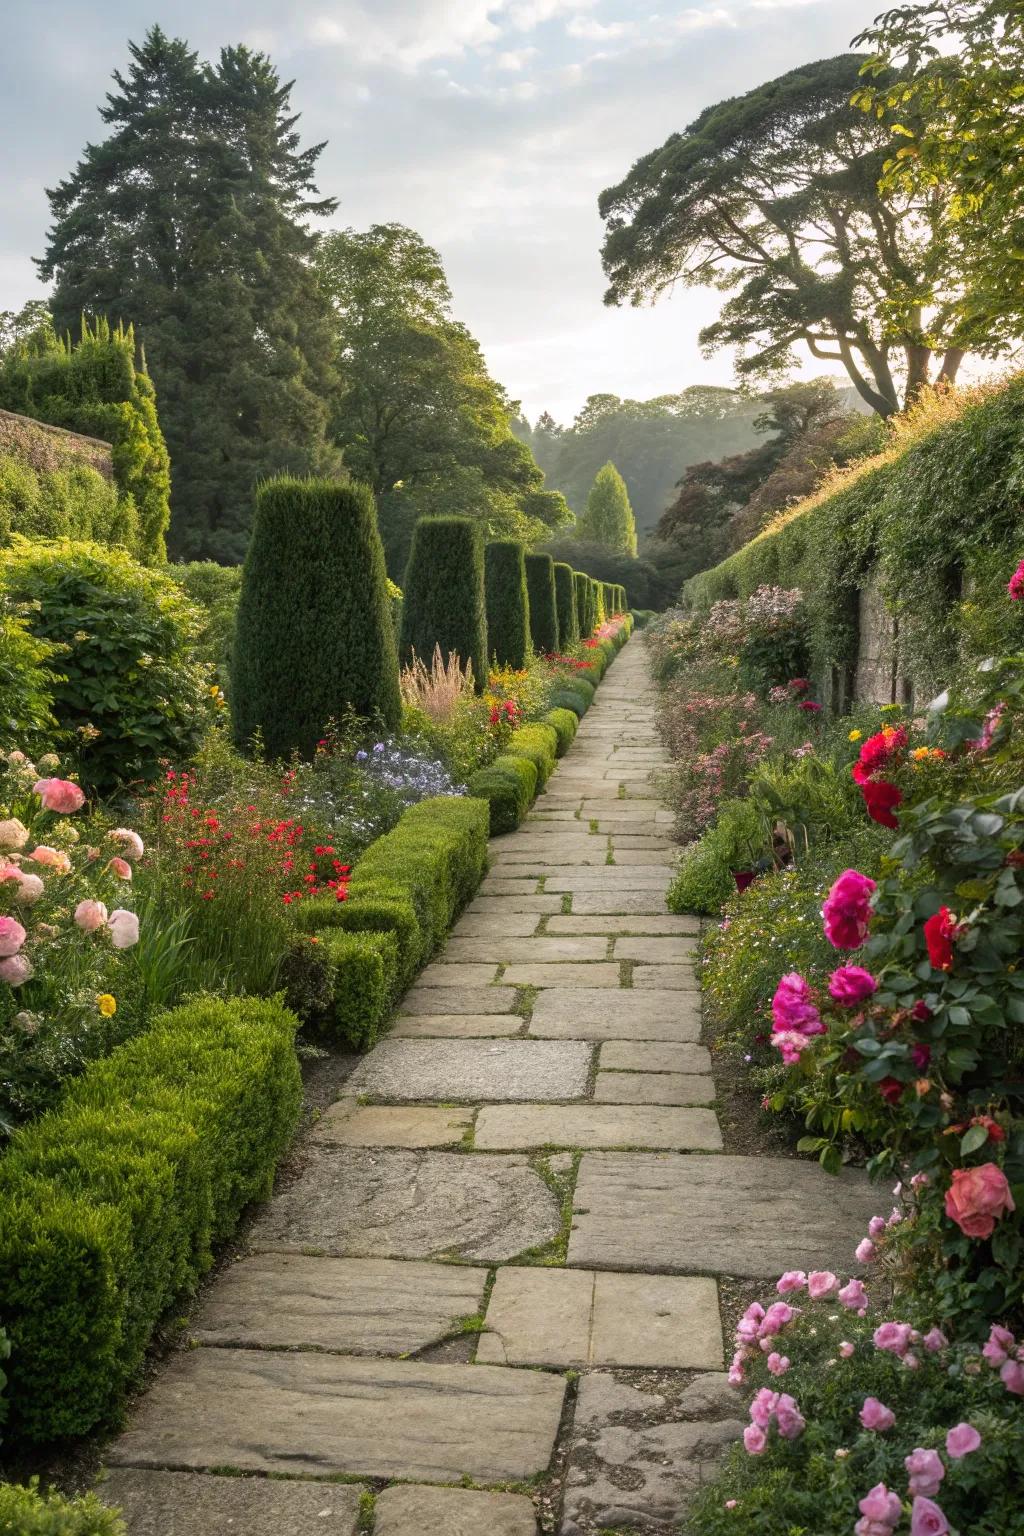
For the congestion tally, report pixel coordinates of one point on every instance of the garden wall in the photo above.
(44, 448)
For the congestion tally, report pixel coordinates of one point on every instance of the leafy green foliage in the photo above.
(130, 691)
(365, 970)
(540, 586)
(27, 680)
(24, 1511)
(736, 842)
(565, 723)
(444, 601)
(314, 638)
(214, 590)
(608, 517)
(114, 1199)
(508, 608)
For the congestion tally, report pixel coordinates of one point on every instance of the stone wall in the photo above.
(878, 679)
(44, 448)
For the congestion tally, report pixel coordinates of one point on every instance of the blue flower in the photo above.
(361, 757)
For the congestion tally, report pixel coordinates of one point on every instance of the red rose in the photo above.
(880, 801)
(977, 1198)
(798, 684)
(891, 1090)
(939, 933)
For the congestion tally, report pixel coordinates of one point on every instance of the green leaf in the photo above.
(976, 1137)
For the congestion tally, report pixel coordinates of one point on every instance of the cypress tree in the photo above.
(443, 594)
(508, 609)
(608, 517)
(581, 584)
(540, 585)
(597, 601)
(314, 636)
(565, 599)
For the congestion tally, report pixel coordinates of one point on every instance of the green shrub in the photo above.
(539, 743)
(565, 725)
(508, 609)
(26, 686)
(509, 786)
(570, 696)
(314, 638)
(27, 1512)
(704, 879)
(365, 981)
(70, 502)
(443, 602)
(565, 603)
(131, 693)
(580, 586)
(540, 584)
(214, 590)
(112, 1200)
(306, 974)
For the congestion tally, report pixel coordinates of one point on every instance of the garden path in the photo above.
(523, 1182)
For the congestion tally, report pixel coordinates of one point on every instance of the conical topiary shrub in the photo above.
(508, 609)
(565, 602)
(314, 637)
(581, 588)
(443, 594)
(540, 586)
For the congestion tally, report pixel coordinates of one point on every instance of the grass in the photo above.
(552, 1254)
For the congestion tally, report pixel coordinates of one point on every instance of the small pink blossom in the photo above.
(124, 928)
(934, 1340)
(1015, 585)
(925, 1471)
(865, 1250)
(850, 985)
(754, 1440)
(15, 970)
(120, 867)
(920, 1181)
(1011, 1374)
(893, 1337)
(876, 1226)
(90, 915)
(875, 1415)
(763, 1406)
(778, 1316)
(853, 1295)
(12, 936)
(911, 1361)
(777, 1364)
(51, 858)
(30, 888)
(132, 843)
(927, 1519)
(999, 1345)
(820, 1283)
(961, 1440)
(59, 795)
(791, 1042)
(881, 1510)
(846, 1349)
(792, 1280)
(788, 1417)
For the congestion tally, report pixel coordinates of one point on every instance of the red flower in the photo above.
(880, 801)
(809, 705)
(877, 751)
(1015, 585)
(798, 684)
(994, 1129)
(891, 1090)
(920, 1054)
(920, 1012)
(939, 932)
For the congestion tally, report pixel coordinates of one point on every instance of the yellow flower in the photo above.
(920, 754)
(855, 735)
(214, 690)
(106, 1004)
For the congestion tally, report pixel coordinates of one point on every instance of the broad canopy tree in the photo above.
(773, 198)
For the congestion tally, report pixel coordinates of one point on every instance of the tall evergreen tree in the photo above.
(540, 586)
(565, 597)
(444, 602)
(608, 518)
(508, 606)
(188, 219)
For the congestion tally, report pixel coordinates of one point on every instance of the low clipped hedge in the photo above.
(565, 723)
(27, 1512)
(113, 1201)
(508, 785)
(539, 743)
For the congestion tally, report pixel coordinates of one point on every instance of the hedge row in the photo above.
(114, 1200)
(27, 1512)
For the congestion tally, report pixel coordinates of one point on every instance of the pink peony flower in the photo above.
(977, 1198)
(788, 1417)
(12, 936)
(754, 1440)
(853, 1295)
(1011, 1374)
(846, 1349)
(13, 834)
(124, 928)
(763, 1406)
(15, 969)
(59, 795)
(820, 1283)
(777, 1364)
(847, 910)
(132, 843)
(51, 858)
(121, 868)
(893, 1337)
(90, 915)
(778, 1316)
(925, 1470)
(876, 1226)
(1015, 585)
(927, 1519)
(865, 1250)
(875, 1415)
(999, 1345)
(881, 1506)
(850, 985)
(961, 1440)
(934, 1340)
(792, 1280)
(30, 888)
(793, 1007)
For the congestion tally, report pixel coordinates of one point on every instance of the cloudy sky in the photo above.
(488, 125)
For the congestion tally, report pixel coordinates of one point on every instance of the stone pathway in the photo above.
(524, 1181)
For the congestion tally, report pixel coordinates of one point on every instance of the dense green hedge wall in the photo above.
(581, 589)
(215, 591)
(72, 502)
(314, 637)
(565, 601)
(939, 515)
(508, 608)
(113, 1201)
(540, 585)
(565, 723)
(443, 594)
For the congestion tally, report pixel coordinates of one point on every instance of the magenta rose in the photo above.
(850, 985)
(794, 1009)
(847, 910)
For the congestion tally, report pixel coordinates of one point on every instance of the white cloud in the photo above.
(590, 28)
(514, 59)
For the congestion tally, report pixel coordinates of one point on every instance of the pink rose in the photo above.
(875, 1415)
(893, 1337)
(927, 1519)
(999, 1345)
(850, 985)
(15, 970)
(853, 1295)
(777, 1364)
(90, 915)
(876, 1226)
(846, 1349)
(13, 834)
(1011, 1374)
(51, 858)
(778, 1316)
(59, 795)
(865, 1250)
(12, 936)
(934, 1340)
(881, 1508)
(847, 910)
(788, 1417)
(754, 1440)
(121, 868)
(821, 1282)
(132, 843)
(793, 1007)
(763, 1406)
(977, 1198)
(791, 1042)
(925, 1471)
(792, 1280)
(124, 928)
(30, 888)
(961, 1440)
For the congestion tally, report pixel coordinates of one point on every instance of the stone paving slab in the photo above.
(611, 878)
(347, 1306)
(408, 1510)
(504, 924)
(752, 1216)
(494, 906)
(570, 1317)
(677, 950)
(452, 999)
(474, 1070)
(271, 1411)
(156, 1503)
(666, 978)
(641, 1445)
(348, 1124)
(651, 923)
(644, 858)
(653, 1088)
(610, 903)
(590, 974)
(456, 974)
(358, 1203)
(641, 1056)
(506, 949)
(588, 1014)
(512, 1128)
(456, 1026)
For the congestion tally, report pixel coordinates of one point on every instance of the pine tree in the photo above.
(608, 518)
(189, 221)
(443, 594)
(540, 586)
(565, 598)
(508, 609)
(314, 635)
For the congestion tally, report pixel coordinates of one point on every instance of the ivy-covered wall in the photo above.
(932, 528)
